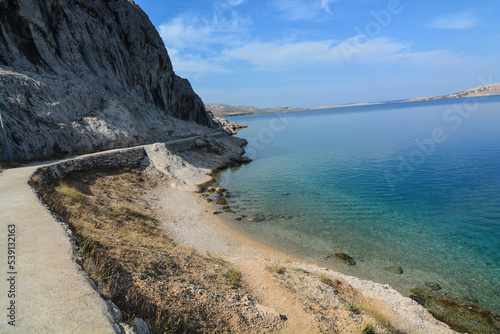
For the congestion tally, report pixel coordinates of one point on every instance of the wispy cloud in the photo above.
(296, 10)
(463, 20)
(190, 63)
(221, 42)
(279, 55)
(223, 26)
(325, 5)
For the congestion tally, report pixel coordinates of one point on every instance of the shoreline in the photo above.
(194, 224)
(223, 110)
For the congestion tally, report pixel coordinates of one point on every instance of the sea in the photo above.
(414, 185)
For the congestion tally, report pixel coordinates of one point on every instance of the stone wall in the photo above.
(131, 157)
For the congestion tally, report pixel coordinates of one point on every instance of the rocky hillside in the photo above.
(86, 75)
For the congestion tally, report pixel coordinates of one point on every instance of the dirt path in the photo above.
(186, 219)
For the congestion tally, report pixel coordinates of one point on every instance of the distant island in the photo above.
(224, 110)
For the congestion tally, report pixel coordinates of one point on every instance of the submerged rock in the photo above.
(396, 270)
(460, 316)
(433, 286)
(346, 258)
(257, 218)
(221, 201)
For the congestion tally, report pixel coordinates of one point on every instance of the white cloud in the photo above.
(281, 55)
(430, 59)
(225, 26)
(180, 34)
(295, 10)
(325, 5)
(463, 20)
(189, 63)
(278, 55)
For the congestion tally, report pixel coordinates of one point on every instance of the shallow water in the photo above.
(415, 185)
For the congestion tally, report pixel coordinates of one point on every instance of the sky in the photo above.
(304, 53)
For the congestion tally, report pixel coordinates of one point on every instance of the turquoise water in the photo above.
(415, 185)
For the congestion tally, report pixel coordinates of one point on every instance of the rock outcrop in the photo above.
(85, 75)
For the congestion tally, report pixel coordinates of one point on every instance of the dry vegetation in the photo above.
(338, 307)
(126, 252)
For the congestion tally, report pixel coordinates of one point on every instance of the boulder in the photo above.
(140, 326)
(221, 201)
(257, 218)
(346, 258)
(200, 143)
(433, 286)
(461, 316)
(395, 270)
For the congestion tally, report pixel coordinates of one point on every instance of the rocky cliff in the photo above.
(85, 75)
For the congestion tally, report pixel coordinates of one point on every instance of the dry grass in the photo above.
(133, 262)
(378, 311)
(276, 269)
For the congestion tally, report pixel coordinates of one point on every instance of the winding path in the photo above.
(52, 293)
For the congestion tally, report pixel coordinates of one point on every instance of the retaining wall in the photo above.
(131, 157)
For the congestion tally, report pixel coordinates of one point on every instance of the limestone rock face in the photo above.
(84, 75)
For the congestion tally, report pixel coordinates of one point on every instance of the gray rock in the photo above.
(140, 326)
(346, 258)
(396, 270)
(200, 143)
(433, 286)
(81, 76)
(268, 310)
(257, 218)
(115, 311)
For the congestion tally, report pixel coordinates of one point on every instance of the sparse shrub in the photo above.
(234, 277)
(367, 329)
(277, 269)
(325, 280)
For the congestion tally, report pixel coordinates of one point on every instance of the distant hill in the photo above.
(224, 110)
(493, 89)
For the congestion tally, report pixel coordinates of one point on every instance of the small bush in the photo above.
(367, 329)
(325, 280)
(277, 269)
(234, 277)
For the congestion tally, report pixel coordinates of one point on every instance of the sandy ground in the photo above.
(189, 219)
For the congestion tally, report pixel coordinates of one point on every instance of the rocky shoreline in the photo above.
(459, 315)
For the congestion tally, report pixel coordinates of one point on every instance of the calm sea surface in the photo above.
(415, 185)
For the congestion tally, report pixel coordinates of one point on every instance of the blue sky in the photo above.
(303, 53)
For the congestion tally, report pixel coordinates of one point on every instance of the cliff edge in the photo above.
(85, 75)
